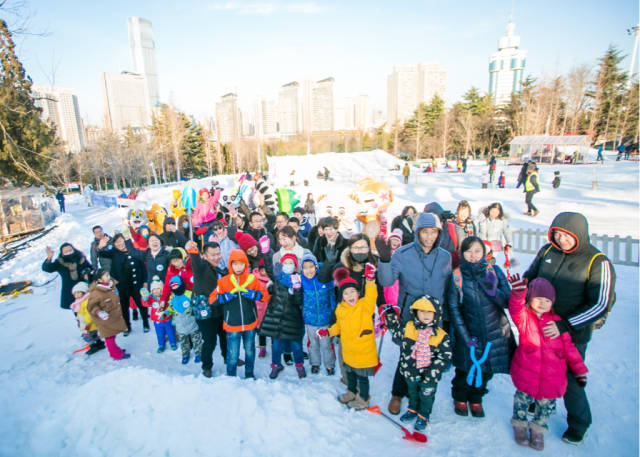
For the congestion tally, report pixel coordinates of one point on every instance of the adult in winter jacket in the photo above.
(129, 272)
(405, 222)
(72, 266)
(422, 268)
(493, 226)
(287, 240)
(171, 237)
(207, 270)
(584, 281)
(479, 318)
(221, 235)
(256, 228)
(98, 262)
(531, 187)
(445, 240)
(155, 258)
(330, 245)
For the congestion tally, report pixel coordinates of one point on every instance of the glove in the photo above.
(103, 315)
(322, 333)
(144, 294)
(517, 283)
(265, 244)
(369, 272)
(491, 282)
(384, 251)
(252, 295)
(295, 281)
(225, 297)
(582, 381)
(201, 230)
(473, 342)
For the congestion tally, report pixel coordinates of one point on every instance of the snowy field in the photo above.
(55, 403)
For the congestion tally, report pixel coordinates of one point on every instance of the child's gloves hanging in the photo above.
(144, 293)
(103, 315)
(265, 244)
(296, 283)
(517, 283)
(581, 381)
(384, 251)
(369, 272)
(322, 333)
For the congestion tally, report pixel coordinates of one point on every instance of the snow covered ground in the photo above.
(55, 403)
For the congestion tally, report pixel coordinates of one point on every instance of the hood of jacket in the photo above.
(427, 220)
(238, 255)
(574, 224)
(433, 207)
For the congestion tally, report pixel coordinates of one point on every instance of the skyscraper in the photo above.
(506, 67)
(362, 115)
(228, 118)
(143, 53)
(60, 110)
(322, 96)
(410, 85)
(288, 109)
(124, 101)
(269, 117)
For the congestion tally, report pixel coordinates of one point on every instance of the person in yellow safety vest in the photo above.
(531, 186)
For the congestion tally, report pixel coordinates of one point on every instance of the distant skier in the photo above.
(60, 198)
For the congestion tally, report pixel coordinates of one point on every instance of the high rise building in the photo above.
(269, 116)
(126, 104)
(506, 67)
(288, 109)
(228, 118)
(143, 53)
(306, 105)
(349, 114)
(322, 96)
(362, 117)
(410, 85)
(60, 110)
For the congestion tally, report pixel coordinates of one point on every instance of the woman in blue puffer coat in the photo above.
(479, 318)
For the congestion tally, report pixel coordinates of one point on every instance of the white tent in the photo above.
(550, 149)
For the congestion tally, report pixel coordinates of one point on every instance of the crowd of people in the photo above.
(300, 290)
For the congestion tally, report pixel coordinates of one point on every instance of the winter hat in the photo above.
(175, 280)
(397, 234)
(426, 220)
(540, 287)
(204, 190)
(143, 226)
(169, 220)
(289, 256)
(156, 283)
(344, 280)
(245, 241)
(80, 287)
(177, 253)
(425, 304)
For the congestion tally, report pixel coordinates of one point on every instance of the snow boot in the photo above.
(174, 347)
(476, 409)
(331, 371)
(124, 356)
(527, 213)
(206, 373)
(135, 314)
(301, 371)
(185, 360)
(536, 437)
(315, 369)
(394, 405)
(535, 213)
(288, 359)
(197, 359)
(572, 436)
(346, 397)
(145, 328)
(460, 408)
(520, 435)
(275, 371)
(126, 333)
(95, 347)
(359, 403)
(101, 344)
(160, 349)
(262, 352)
(408, 416)
(421, 423)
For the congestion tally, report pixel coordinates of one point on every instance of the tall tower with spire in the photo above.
(506, 66)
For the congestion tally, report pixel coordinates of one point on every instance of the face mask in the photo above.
(288, 269)
(185, 225)
(67, 258)
(360, 256)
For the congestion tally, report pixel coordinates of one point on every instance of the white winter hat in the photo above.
(156, 283)
(80, 287)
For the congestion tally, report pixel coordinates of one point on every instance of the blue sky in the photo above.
(208, 48)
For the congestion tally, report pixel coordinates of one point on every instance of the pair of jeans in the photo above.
(248, 338)
(352, 384)
(421, 397)
(461, 391)
(212, 331)
(279, 346)
(162, 329)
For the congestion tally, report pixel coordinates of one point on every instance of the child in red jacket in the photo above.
(160, 314)
(539, 366)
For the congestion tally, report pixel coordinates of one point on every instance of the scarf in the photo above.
(421, 349)
(72, 267)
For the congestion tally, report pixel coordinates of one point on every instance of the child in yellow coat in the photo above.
(354, 324)
(85, 323)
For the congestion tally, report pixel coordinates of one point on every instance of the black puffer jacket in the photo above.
(72, 270)
(205, 279)
(482, 316)
(283, 318)
(127, 268)
(323, 251)
(156, 266)
(583, 295)
(173, 239)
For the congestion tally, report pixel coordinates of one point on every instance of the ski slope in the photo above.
(55, 403)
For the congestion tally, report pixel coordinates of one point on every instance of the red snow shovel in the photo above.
(409, 436)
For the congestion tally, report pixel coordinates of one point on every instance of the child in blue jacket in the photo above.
(318, 306)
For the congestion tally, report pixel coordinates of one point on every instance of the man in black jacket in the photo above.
(206, 272)
(171, 237)
(98, 262)
(584, 280)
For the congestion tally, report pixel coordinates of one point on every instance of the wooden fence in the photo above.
(621, 251)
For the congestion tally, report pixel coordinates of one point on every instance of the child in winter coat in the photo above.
(283, 318)
(502, 180)
(184, 320)
(237, 293)
(160, 314)
(179, 264)
(355, 327)
(424, 354)
(539, 367)
(104, 307)
(89, 333)
(391, 292)
(494, 227)
(261, 305)
(318, 305)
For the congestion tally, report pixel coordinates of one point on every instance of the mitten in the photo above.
(265, 244)
(581, 381)
(201, 230)
(517, 283)
(252, 294)
(144, 293)
(103, 315)
(225, 297)
(322, 332)
(491, 283)
(369, 272)
(384, 251)
(295, 281)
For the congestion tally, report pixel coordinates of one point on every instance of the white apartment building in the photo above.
(410, 85)
(289, 118)
(125, 101)
(322, 96)
(228, 122)
(60, 110)
(143, 54)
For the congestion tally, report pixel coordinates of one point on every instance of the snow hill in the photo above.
(55, 403)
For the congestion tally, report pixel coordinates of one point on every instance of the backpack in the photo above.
(201, 308)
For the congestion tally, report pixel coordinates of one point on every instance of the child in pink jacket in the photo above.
(205, 210)
(539, 366)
